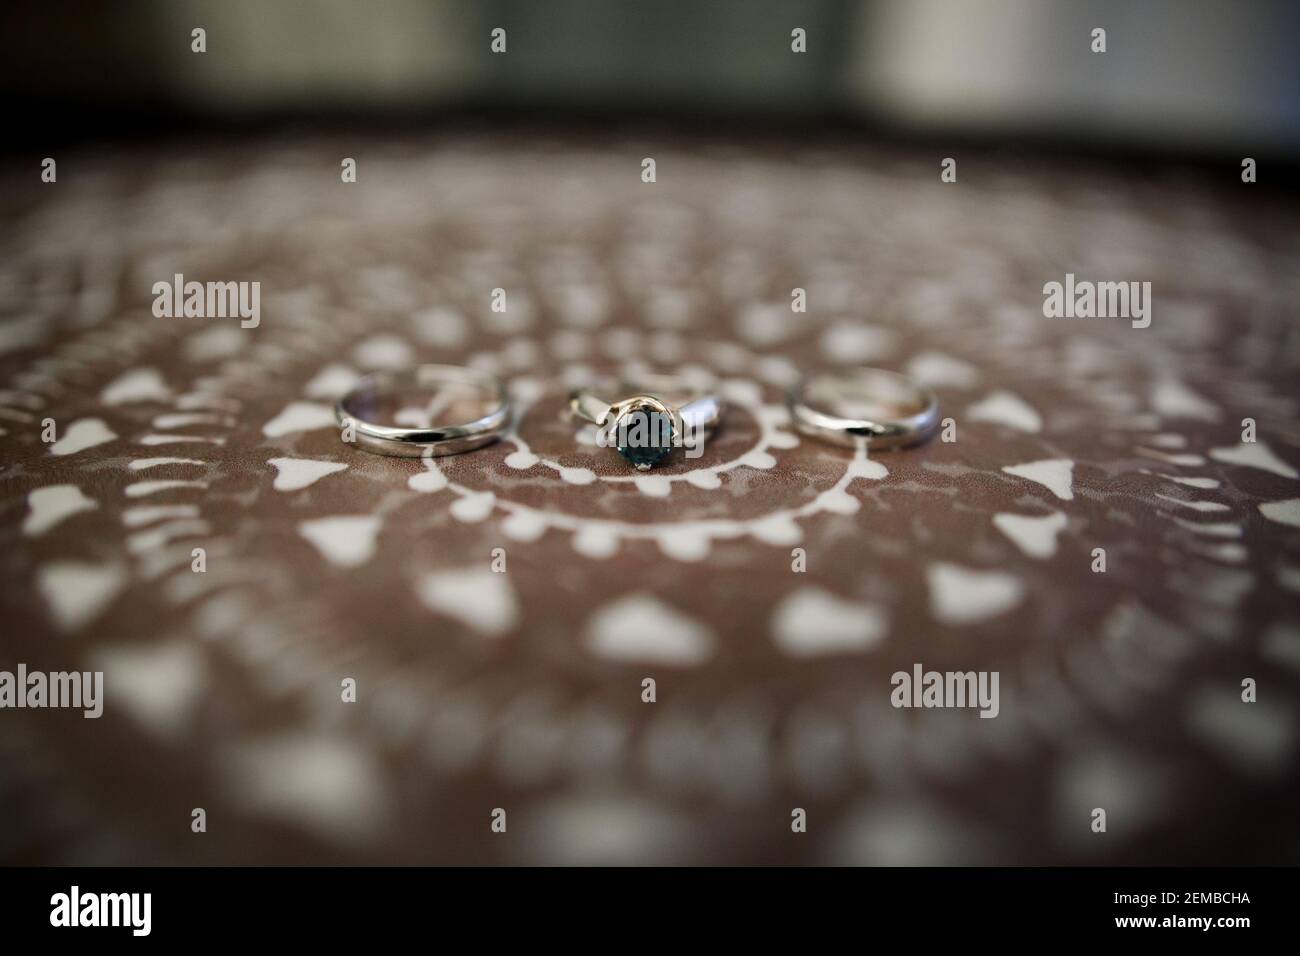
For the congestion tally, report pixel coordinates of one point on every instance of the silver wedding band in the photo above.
(864, 405)
(356, 410)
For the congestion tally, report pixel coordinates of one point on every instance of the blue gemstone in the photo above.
(645, 437)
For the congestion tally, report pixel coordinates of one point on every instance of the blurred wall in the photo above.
(1186, 74)
(319, 54)
(1175, 72)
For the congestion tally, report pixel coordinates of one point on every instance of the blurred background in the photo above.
(1195, 76)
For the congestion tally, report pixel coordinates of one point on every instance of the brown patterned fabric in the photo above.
(522, 690)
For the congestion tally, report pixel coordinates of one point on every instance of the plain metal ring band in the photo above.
(872, 386)
(419, 442)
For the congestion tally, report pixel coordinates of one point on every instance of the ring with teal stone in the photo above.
(645, 427)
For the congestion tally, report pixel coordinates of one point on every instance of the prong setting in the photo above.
(644, 428)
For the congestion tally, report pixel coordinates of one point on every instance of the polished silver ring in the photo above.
(657, 414)
(438, 387)
(869, 405)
